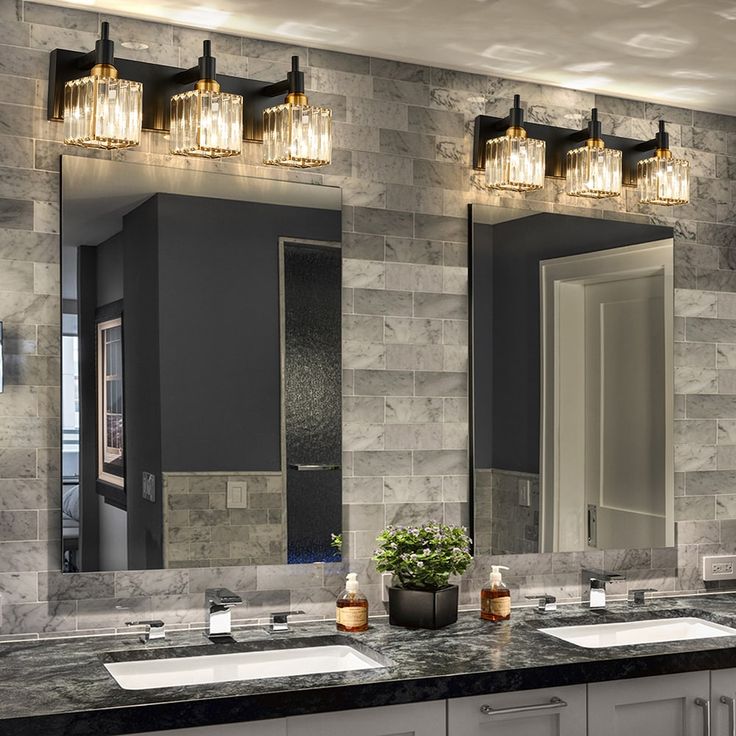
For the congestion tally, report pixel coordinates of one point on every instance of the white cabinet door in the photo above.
(275, 727)
(671, 705)
(415, 719)
(556, 711)
(723, 702)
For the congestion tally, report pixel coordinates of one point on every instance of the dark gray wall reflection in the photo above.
(506, 323)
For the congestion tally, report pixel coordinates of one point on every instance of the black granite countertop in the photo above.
(61, 686)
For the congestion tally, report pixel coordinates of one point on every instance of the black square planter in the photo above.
(422, 609)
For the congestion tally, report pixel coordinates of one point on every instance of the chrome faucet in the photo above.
(218, 603)
(154, 630)
(595, 582)
(279, 621)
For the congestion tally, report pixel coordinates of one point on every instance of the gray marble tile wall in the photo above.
(402, 153)
(200, 530)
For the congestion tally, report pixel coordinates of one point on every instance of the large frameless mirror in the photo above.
(572, 389)
(201, 362)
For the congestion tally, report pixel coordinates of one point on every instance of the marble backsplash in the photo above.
(403, 137)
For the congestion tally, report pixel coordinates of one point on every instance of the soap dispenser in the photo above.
(351, 614)
(495, 598)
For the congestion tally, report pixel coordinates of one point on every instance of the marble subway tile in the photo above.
(363, 409)
(443, 306)
(408, 250)
(411, 93)
(377, 302)
(362, 328)
(383, 167)
(57, 586)
(384, 222)
(440, 462)
(413, 436)
(363, 436)
(711, 407)
(693, 303)
(408, 514)
(362, 490)
(405, 143)
(151, 582)
(384, 383)
(413, 410)
(695, 432)
(400, 70)
(18, 525)
(362, 246)
(410, 331)
(377, 113)
(429, 383)
(710, 482)
(437, 227)
(435, 122)
(364, 274)
(696, 381)
(414, 357)
(695, 355)
(382, 463)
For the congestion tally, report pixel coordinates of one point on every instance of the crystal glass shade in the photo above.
(297, 135)
(207, 123)
(102, 112)
(515, 163)
(664, 180)
(594, 171)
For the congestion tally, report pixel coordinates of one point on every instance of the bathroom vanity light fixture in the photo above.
(296, 133)
(210, 120)
(662, 178)
(593, 170)
(598, 168)
(514, 161)
(101, 110)
(206, 121)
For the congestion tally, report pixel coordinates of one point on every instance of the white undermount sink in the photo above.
(145, 674)
(597, 636)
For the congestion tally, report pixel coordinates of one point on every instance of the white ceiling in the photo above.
(677, 52)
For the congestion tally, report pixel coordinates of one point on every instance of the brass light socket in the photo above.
(297, 98)
(595, 143)
(104, 71)
(207, 85)
(664, 153)
(516, 131)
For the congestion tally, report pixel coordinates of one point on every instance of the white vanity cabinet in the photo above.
(556, 711)
(670, 705)
(275, 727)
(415, 719)
(723, 702)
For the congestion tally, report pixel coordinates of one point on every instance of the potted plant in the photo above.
(422, 558)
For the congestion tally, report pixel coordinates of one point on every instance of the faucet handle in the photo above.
(280, 617)
(155, 629)
(222, 597)
(546, 602)
(638, 596)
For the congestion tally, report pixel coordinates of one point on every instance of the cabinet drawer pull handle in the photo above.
(731, 703)
(705, 705)
(554, 703)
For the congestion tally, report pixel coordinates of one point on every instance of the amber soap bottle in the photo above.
(495, 598)
(352, 607)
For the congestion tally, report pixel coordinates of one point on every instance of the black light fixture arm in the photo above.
(292, 85)
(592, 131)
(660, 142)
(104, 52)
(205, 69)
(515, 118)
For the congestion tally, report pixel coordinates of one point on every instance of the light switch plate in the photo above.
(237, 494)
(148, 487)
(525, 493)
(719, 567)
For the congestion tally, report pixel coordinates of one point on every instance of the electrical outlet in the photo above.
(721, 567)
(387, 579)
(237, 494)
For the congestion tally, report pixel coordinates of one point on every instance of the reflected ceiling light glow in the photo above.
(658, 45)
(505, 52)
(592, 82)
(690, 74)
(728, 13)
(202, 16)
(307, 31)
(134, 45)
(687, 94)
(589, 67)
